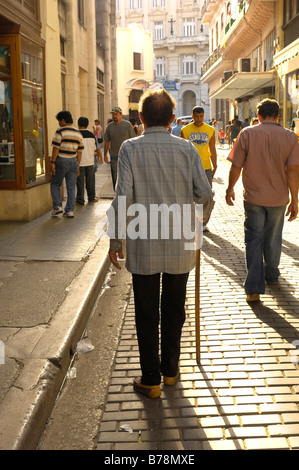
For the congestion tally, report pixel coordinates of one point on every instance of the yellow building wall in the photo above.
(51, 34)
(130, 40)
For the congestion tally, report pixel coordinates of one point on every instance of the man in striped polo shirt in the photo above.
(67, 146)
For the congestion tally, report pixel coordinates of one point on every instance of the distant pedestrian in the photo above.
(234, 130)
(67, 150)
(202, 135)
(86, 175)
(228, 135)
(254, 121)
(269, 157)
(159, 170)
(116, 133)
(135, 127)
(176, 130)
(97, 130)
(295, 124)
(221, 136)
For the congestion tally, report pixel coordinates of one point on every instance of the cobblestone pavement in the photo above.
(244, 393)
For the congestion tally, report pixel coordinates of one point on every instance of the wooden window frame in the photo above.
(19, 183)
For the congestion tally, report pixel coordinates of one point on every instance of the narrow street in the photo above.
(243, 394)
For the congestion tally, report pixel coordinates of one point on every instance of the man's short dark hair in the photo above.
(83, 122)
(157, 107)
(66, 115)
(198, 110)
(268, 108)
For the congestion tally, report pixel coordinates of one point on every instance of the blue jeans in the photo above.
(65, 168)
(263, 240)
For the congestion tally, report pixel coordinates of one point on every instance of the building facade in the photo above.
(107, 95)
(48, 62)
(239, 69)
(180, 44)
(246, 57)
(286, 60)
(135, 71)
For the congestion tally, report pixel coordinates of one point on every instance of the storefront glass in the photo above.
(33, 110)
(292, 98)
(7, 153)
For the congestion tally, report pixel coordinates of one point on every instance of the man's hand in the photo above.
(53, 168)
(292, 211)
(113, 257)
(230, 197)
(214, 171)
(106, 159)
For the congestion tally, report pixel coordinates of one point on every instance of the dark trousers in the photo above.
(87, 177)
(113, 166)
(147, 303)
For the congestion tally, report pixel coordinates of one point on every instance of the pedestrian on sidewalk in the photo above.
(117, 131)
(97, 130)
(158, 169)
(202, 135)
(67, 150)
(269, 157)
(235, 128)
(86, 175)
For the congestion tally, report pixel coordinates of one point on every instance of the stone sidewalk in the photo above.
(245, 392)
(51, 272)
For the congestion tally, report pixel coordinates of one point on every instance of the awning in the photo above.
(243, 84)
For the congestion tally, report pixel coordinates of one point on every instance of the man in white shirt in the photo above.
(87, 169)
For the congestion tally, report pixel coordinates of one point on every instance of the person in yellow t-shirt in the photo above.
(203, 138)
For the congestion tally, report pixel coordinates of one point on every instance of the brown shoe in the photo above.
(252, 297)
(171, 380)
(151, 391)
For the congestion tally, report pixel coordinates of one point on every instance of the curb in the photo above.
(28, 404)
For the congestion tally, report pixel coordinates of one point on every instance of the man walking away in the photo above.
(87, 170)
(158, 170)
(116, 133)
(66, 157)
(269, 157)
(176, 130)
(202, 135)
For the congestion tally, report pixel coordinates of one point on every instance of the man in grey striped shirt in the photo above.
(67, 150)
(159, 175)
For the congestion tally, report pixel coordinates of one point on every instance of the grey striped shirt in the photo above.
(157, 169)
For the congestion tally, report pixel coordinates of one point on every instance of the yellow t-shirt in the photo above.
(200, 137)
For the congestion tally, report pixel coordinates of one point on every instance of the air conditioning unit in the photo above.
(227, 75)
(244, 64)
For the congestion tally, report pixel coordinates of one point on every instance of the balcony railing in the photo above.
(226, 32)
(211, 60)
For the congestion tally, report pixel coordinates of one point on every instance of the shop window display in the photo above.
(33, 111)
(7, 151)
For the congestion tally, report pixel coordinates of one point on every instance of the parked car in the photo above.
(185, 119)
